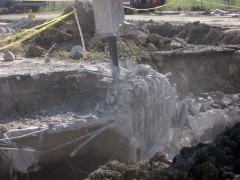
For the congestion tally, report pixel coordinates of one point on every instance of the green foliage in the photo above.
(127, 49)
(91, 56)
(62, 54)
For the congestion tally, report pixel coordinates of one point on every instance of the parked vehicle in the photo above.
(13, 5)
(143, 4)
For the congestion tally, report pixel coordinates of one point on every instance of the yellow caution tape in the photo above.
(33, 28)
(38, 31)
(157, 7)
(219, 4)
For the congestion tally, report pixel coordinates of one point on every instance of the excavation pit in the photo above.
(53, 111)
(54, 103)
(51, 105)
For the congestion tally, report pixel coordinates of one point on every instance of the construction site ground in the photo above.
(59, 101)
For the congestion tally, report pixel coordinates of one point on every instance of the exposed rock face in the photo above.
(144, 103)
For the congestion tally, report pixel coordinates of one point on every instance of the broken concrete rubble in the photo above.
(24, 160)
(139, 101)
(73, 87)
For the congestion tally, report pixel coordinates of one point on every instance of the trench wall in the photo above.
(199, 72)
(29, 92)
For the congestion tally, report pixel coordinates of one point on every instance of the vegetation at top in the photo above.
(195, 5)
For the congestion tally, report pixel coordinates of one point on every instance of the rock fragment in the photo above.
(8, 56)
(77, 52)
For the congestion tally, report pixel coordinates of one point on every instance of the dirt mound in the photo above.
(219, 159)
(66, 32)
(194, 33)
(147, 38)
(85, 15)
(119, 171)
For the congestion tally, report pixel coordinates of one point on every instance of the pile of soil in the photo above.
(194, 33)
(147, 39)
(85, 16)
(119, 171)
(219, 159)
(64, 34)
